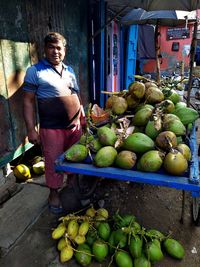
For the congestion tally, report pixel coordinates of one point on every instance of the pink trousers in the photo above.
(54, 143)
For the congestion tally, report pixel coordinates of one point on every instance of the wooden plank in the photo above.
(19, 212)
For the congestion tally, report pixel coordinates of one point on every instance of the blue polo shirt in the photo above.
(58, 102)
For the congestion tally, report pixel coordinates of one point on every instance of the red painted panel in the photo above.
(169, 57)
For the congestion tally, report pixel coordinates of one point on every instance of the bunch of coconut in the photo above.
(138, 151)
(138, 92)
(156, 136)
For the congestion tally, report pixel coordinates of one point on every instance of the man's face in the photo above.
(55, 52)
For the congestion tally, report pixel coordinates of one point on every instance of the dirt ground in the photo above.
(154, 207)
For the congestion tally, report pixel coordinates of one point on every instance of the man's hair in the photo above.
(54, 37)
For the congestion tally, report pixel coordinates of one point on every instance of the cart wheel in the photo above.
(196, 210)
(85, 186)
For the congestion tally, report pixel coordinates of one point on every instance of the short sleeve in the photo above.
(75, 84)
(30, 80)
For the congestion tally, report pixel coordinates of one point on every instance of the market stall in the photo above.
(188, 181)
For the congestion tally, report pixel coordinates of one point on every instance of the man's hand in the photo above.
(33, 137)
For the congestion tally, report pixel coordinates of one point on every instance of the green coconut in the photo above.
(151, 131)
(167, 106)
(172, 95)
(106, 136)
(180, 105)
(142, 117)
(36, 159)
(153, 251)
(153, 95)
(105, 157)
(142, 262)
(123, 259)
(135, 246)
(137, 89)
(175, 126)
(174, 248)
(76, 153)
(142, 105)
(83, 255)
(138, 143)
(186, 115)
(168, 117)
(185, 150)
(151, 161)
(125, 159)
(95, 145)
(86, 138)
(175, 163)
(39, 168)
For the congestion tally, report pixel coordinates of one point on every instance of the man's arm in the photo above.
(29, 117)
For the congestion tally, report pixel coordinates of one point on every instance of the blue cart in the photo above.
(188, 182)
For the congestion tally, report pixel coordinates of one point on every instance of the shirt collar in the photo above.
(47, 63)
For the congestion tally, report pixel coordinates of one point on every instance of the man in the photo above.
(54, 86)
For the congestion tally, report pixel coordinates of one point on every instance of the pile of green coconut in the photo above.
(147, 127)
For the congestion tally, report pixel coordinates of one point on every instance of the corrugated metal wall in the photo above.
(23, 26)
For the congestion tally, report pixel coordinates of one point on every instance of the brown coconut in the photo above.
(153, 95)
(150, 84)
(119, 105)
(137, 89)
(109, 102)
(166, 140)
(132, 102)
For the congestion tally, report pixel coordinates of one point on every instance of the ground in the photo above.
(154, 207)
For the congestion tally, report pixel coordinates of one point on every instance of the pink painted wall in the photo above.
(169, 57)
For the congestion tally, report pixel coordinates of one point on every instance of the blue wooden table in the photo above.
(189, 181)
